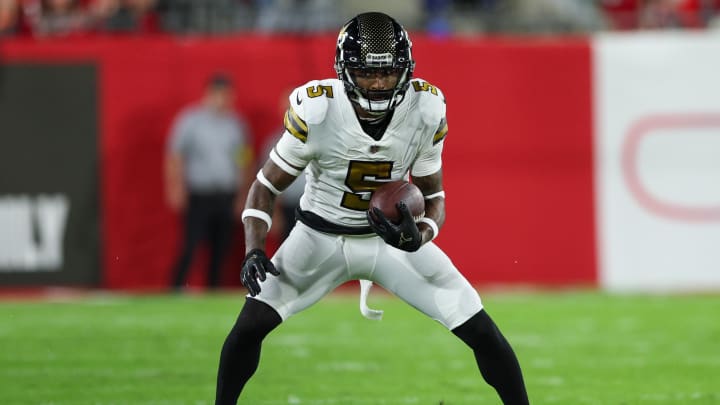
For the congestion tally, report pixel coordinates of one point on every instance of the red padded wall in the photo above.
(518, 157)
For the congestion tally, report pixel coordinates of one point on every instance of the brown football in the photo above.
(389, 194)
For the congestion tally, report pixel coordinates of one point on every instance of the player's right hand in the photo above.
(254, 268)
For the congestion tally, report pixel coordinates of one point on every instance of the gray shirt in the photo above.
(212, 145)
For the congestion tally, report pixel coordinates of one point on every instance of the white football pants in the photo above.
(312, 264)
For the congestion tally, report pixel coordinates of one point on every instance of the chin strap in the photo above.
(372, 314)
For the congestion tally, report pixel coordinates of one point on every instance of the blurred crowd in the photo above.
(43, 18)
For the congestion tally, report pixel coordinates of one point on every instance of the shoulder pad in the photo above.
(310, 101)
(430, 101)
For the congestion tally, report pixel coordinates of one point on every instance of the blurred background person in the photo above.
(297, 15)
(9, 17)
(207, 16)
(58, 17)
(437, 17)
(658, 14)
(555, 16)
(206, 172)
(622, 15)
(139, 16)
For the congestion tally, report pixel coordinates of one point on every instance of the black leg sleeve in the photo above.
(240, 354)
(495, 358)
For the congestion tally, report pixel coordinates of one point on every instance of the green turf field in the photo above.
(575, 348)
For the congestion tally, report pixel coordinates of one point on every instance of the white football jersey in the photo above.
(343, 164)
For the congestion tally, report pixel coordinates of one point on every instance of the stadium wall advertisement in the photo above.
(569, 161)
(49, 212)
(657, 161)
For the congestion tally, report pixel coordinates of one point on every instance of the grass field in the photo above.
(575, 348)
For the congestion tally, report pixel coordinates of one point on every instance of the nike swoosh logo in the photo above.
(297, 98)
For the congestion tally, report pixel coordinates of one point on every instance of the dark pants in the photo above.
(208, 217)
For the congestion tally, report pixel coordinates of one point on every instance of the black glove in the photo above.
(254, 267)
(405, 235)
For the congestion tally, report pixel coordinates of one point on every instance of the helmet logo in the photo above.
(342, 35)
(379, 59)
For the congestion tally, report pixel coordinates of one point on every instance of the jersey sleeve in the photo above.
(291, 154)
(294, 149)
(429, 158)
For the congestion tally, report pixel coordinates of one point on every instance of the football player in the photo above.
(374, 123)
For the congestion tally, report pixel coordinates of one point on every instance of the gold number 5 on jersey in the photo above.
(357, 181)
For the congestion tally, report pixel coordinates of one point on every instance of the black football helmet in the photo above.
(372, 41)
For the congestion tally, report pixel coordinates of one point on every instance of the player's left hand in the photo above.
(404, 236)
(254, 268)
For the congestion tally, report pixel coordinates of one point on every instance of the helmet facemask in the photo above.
(371, 44)
(376, 102)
